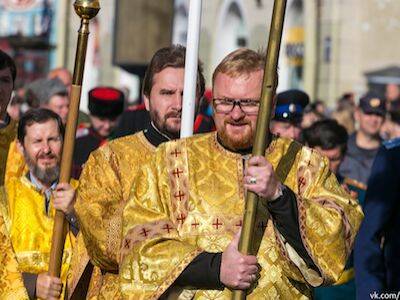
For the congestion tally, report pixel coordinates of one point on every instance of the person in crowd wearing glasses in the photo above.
(289, 111)
(182, 222)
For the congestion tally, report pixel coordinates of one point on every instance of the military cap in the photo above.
(106, 102)
(372, 103)
(290, 106)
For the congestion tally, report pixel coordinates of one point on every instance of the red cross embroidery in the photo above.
(179, 196)
(127, 244)
(181, 218)
(167, 227)
(177, 172)
(217, 224)
(144, 232)
(176, 152)
(302, 182)
(195, 224)
(239, 224)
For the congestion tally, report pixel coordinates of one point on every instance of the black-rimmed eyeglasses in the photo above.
(226, 105)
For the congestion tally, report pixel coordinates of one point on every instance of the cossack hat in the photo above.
(106, 102)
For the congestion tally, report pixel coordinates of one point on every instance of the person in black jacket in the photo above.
(377, 260)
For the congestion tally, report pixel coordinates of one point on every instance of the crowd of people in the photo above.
(152, 216)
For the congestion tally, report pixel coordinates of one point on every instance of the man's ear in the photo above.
(146, 101)
(20, 147)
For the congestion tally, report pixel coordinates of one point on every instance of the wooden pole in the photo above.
(263, 120)
(86, 10)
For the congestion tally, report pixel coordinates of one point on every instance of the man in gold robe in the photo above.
(11, 284)
(8, 127)
(107, 177)
(29, 202)
(181, 224)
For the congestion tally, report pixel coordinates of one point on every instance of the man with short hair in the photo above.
(51, 94)
(363, 145)
(182, 222)
(63, 74)
(330, 139)
(289, 111)
(44, 93)
(107, 177)
(31, 200)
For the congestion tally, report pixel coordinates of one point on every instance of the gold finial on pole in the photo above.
(86, 10)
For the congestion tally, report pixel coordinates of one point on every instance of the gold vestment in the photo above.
(30, 228)
(7, 135)
(11, 284)
(190, 199)
(16, 166)
(104, 187)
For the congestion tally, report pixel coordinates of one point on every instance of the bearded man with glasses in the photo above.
(181, 224)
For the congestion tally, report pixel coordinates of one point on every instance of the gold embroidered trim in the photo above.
(178, 173)
(141, 232)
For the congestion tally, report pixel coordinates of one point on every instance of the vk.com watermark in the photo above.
(376, 295)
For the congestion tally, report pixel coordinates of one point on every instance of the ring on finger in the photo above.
(252, 180)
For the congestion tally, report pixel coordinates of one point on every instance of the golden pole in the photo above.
(263, 120)
(86, 10)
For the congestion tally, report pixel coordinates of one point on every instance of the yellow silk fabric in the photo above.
(190, 198)
(7, 135)
(16, 166)
(11, 284)
(31, 229)
(104, 187)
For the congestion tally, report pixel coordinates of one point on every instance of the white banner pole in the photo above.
(191, 65)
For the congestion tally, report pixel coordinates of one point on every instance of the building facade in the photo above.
(328, 46)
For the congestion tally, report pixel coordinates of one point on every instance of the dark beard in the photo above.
(161, 125)
(47, 175)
